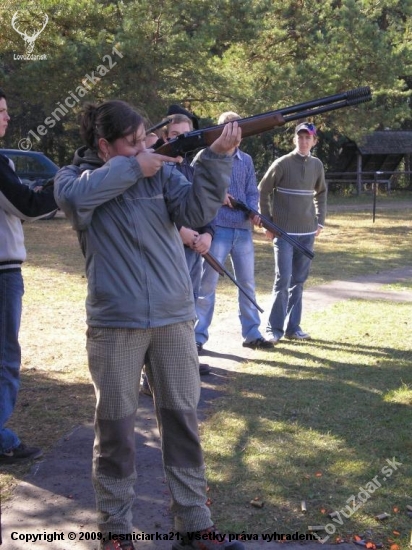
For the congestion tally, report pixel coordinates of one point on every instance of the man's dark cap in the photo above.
(178, 110)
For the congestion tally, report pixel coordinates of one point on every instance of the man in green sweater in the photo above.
(293, 195)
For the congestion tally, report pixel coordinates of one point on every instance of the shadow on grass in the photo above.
(48, 408)
(317, 434)
(229, 356)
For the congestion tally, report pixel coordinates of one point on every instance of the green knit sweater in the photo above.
(293, 193)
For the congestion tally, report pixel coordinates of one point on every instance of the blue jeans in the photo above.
(239, 244)
(11, 295)
(194, 264)
(291, 271)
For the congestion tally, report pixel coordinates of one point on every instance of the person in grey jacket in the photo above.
(17, 202)
(125, 202)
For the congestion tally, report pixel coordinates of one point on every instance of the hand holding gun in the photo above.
(272, 227)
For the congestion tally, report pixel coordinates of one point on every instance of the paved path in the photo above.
(315, 299)
(57, 496)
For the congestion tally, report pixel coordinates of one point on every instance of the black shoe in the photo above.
(259, 343)
(20, 453)
(204, 369)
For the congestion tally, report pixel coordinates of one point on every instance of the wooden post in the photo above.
(375, 186)
(359, 173)
(408, 169)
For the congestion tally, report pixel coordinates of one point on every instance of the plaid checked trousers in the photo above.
(116, 357)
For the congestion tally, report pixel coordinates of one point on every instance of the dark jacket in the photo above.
(188, 171)
(18, 202)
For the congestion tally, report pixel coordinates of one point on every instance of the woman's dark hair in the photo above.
(2, 94)
(110, 120)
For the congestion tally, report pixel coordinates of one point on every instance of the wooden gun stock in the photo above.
(257, 124)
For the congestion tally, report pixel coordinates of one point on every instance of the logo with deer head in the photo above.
(19, 24)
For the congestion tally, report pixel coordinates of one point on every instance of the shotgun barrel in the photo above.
(220, 268)
(257, 124)
(158, 125)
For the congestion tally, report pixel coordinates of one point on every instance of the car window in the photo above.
(16, 161)
(26, 164)
(32, 166)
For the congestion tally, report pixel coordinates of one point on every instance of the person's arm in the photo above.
(208, 228)
(251, 188)
(79, 193)
(197, 204)
(265, 188)
(320, 198)
(21, 201)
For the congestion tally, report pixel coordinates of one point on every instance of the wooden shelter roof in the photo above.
(381, 151)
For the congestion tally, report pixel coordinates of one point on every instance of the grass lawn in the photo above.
(316, 421)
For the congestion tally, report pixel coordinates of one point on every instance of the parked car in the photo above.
(33, 168)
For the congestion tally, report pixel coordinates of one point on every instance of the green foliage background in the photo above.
(250, 56)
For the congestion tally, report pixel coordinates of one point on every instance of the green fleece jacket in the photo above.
(293, 193)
